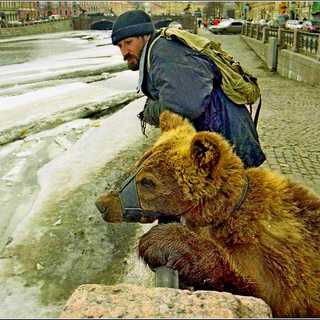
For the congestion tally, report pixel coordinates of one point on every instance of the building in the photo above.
(9, 10)
(268, 10)
(19, 10)
(256, 11)
(61, 8)
(152, 7)
(24, 11)
(27, 10)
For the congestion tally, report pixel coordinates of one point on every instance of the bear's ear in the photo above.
(205, 151)
(170, 120)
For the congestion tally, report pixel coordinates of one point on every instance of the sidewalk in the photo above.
(288, 127)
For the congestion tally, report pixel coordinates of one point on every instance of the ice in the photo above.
(77, 164)
(39, 170)
(13, 174)
(26, 97)
(85, 56)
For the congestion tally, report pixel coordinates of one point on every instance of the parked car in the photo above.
(227, 26)
(309, 26)
(14, 23)
(175, 24)
(263, 23)
(273, 23)
(294, 24)
(54, 17)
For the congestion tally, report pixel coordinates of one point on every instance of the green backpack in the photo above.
(239, 85)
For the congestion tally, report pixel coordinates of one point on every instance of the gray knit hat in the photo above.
(131, 24)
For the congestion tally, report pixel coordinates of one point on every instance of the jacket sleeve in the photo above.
(183, 79)
(151, 112)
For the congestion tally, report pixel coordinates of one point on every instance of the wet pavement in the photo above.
(289, 126)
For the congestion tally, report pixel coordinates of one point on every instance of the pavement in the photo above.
(289, 120)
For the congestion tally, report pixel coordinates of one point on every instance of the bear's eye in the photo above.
(147, 183)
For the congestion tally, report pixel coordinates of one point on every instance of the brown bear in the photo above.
(244, 231)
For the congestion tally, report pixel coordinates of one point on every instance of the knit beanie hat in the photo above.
(131, 24)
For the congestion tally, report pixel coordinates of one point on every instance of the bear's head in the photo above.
(183, 173)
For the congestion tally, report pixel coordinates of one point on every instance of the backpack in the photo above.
(239, 85)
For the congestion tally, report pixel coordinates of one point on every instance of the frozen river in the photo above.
(26, 49)
(68, 130)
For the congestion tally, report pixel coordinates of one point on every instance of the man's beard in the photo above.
(133, 66)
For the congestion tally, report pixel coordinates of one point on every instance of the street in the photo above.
(68, 131)
(289, 120)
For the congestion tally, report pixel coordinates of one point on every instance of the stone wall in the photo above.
(131, 301)
(298, 67)
(290, 64)
(45, 27)
(257, 46)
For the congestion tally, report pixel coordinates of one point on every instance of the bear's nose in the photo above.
(103, 210)
(110, 207)
(100, 206)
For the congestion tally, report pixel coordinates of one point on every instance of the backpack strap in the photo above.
(149, 51)
(257, 113)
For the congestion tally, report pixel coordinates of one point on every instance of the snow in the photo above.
(43, 102)
(36, 102)
(44, 167)
(77, 164)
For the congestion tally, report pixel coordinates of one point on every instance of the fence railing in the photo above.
(305, 43)
(308, 43)
(287, 39)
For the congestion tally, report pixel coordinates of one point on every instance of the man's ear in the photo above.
(205, 151)
(170, 120)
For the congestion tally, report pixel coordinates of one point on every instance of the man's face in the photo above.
(131, 49)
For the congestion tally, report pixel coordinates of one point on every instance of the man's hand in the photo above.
(151, 112)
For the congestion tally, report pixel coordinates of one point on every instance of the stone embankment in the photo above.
(45, 27)
(131, 301)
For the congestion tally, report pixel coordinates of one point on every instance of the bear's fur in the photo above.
(245, 231)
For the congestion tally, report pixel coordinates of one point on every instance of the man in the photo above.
(178, 79)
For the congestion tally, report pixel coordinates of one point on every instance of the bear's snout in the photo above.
(109, 206)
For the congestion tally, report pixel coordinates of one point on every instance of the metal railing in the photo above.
(287, 38)
(308, 43)
(299, 41)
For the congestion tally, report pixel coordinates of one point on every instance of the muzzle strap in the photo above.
(129, 198)
(130, 202)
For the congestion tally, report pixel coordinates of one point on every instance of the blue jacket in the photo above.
(186, 82)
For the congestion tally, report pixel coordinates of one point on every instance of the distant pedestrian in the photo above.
(175, 77)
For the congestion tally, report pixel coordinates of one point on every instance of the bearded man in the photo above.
(174, 77)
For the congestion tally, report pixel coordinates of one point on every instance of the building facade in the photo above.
(24, 11)
(268, 10)
(9, 10)
(250, 10)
